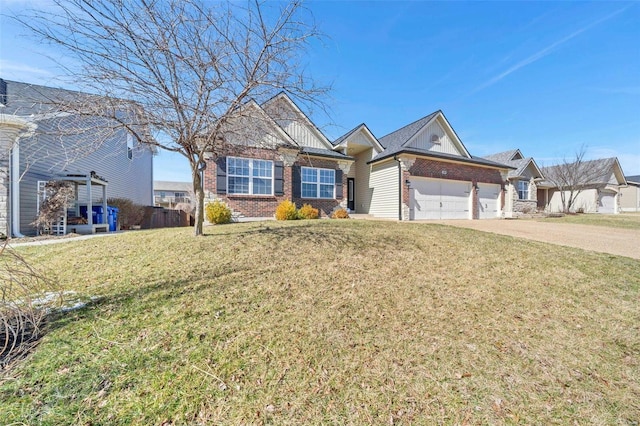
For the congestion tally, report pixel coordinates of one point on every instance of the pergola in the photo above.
(88, 180)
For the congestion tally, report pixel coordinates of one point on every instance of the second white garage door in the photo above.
(488, 196)
(607, 203)
(440, 199)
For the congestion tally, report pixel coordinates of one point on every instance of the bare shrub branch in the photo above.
(187, 69)
(25, 296)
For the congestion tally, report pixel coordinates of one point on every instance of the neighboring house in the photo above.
(630, 194)
(286, 158)
(599, 187)
(421, 171)
(168, 194)
(31, 138)
(521, 192)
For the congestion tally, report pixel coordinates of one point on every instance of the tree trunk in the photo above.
(199, 192)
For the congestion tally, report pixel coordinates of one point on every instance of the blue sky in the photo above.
(545, 77)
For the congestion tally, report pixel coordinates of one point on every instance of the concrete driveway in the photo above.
(618, 241)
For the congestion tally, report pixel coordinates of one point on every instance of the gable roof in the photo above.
(24, 99)
(515, 159)
(302, 115)
(506, 156)
(633, 179)
(396, 139)
(167, 185)
(605, 167)
(396, 143)
(359, 127)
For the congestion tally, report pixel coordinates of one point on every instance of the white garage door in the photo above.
(488, 196)
(607, 203)
(439, 199)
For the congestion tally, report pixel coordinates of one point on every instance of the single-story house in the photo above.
(421, 171)
(598, 186)
(34, 150)
(521, 194)
(286, 158)
(169, 194)
(630, 194)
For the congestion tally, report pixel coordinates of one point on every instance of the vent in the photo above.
(435, 139)
(3, 92)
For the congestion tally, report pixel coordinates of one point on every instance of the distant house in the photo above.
(599, 193)
(38, 145)
(630, 194)
(521, 186)
(169, 194)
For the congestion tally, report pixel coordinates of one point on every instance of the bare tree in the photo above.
(571, 177)
(187, 68)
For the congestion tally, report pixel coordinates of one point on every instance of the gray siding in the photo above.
(46, 155)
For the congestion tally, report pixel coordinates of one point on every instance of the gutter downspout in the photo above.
(15, 190)
(18, 127)
(395, 157)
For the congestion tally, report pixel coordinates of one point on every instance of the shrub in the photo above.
(54, 206)
(340, 214)
(218, 212)
(286, 210)
(129, 213)
(308, 212)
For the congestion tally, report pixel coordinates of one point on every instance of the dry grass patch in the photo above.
(353, 322)
(623, 220)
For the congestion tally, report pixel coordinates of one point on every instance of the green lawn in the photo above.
(623, 220)
(333, 322)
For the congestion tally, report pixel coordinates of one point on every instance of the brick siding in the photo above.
(264, 205)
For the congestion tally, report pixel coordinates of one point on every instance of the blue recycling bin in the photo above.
(97, 213)
(112, 218)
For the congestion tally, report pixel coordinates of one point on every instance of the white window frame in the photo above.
(251, 177)
(317, 183)
(129, 146)
(523, 191)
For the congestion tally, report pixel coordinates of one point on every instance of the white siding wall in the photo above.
(384, 189)
(302, 134)
(293, 124)
(630, 198)
(587, 201)
(446, 145)
(364, 190)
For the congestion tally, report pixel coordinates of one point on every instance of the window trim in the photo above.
(129, 146)
(317, 183)
(524, 192)
(250, 176)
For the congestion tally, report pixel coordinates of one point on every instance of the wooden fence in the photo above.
(159, 217)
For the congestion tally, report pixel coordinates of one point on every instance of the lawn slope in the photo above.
(344, 322)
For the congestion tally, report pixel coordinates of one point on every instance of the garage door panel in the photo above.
(488, 196)
(606, 203)
(439, 199)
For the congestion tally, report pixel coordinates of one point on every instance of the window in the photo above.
(249, 176)
(129, 146)
(318, 183)
(523, 190)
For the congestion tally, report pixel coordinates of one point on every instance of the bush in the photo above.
(129, 213)
(218, 212)
(308, 212)
(340, 214)
(286, 210)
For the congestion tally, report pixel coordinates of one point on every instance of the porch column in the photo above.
(89, 201)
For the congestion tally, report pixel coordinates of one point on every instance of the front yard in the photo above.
(339, 322)
(622, 220)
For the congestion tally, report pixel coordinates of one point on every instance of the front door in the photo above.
(351, 194)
